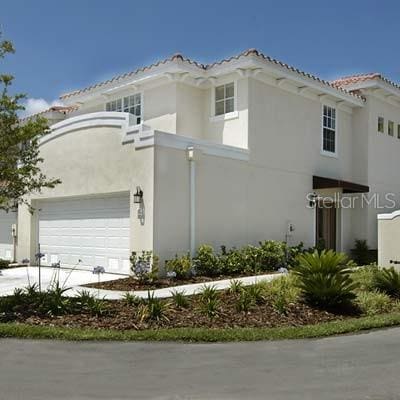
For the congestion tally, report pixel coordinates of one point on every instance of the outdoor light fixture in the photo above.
(313, 199)
(138, 196)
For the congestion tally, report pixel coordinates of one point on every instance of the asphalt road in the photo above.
(365, 366)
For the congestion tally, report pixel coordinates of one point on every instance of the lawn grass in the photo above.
(16, 330)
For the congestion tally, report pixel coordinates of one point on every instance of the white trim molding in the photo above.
(141, 136)
(213, 149)
(389, 216)
(85, 121)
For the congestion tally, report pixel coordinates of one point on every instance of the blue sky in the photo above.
(64, 45)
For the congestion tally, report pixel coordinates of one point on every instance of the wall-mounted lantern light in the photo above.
(313, 198)
(138, 196)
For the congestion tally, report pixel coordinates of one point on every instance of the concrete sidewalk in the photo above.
(21, 277)
(167, 292)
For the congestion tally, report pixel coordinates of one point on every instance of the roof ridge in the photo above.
(352, 79)
(60, 109)
(178, 57)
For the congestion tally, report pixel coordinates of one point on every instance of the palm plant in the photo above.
(324, 278)
(387, 280)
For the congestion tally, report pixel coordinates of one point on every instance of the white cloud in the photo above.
(34, 106)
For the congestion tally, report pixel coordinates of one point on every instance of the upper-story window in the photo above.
(329, 130)
(381, 125)
(131, 104)
(390, 128)
(225, 99)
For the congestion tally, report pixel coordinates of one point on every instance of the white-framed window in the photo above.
(329, 130)
(130, 104)
(225, 99)
(391, 128)
(381, 125)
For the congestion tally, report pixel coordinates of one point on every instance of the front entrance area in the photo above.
(326, 224)
(95, 230)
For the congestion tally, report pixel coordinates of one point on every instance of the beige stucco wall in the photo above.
(383, 162)
(90, 162)
(388, 241)
(285, 139)
(237, 203)
(233, 131)
(190, 106)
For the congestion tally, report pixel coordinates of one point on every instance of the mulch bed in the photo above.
(132, 284)
(121, 316)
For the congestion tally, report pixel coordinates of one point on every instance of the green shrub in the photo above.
(145, 266)
(324, 278)
(256, 291)
(361, 253)
(209, 302)
(53, 302)
(210, 307)
(83, 297)
(131, 299)
(209, 292)
(179, 299)
(282, 291)
(232, 262)
(371, 303)
(387, 280)
(273, 255)
(156, 307)
(235, 287)
(90, 303)
(364, 277)
(4, 264)
(244, 301)
(96, 306)
(181, 266)
(286, 284)
(206, 262)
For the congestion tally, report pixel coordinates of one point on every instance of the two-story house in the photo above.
(178, 154)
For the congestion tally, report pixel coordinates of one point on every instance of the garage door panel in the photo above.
(95, 230)
(117, 243)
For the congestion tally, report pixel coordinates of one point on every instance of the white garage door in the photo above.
(6, 240)
(94, 230)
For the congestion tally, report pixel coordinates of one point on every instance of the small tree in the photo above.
(20, 174)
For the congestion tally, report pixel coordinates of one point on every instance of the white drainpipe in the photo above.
(192, 178)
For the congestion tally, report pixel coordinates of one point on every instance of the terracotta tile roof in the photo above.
(60, 109)
(353, 79)
(205, 67)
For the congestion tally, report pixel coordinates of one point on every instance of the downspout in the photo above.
(192, 189)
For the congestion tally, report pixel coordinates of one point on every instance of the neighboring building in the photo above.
(225, 154)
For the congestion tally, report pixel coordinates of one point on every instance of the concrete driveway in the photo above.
(363, 366)
(21, 277)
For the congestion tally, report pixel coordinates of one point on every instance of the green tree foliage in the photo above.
(20, 173)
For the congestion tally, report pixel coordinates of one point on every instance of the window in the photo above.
(390, 128)
(381, 125)
(130, 104)
(224, 99)
(398, 131)
(115, 105)
(329, 130)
